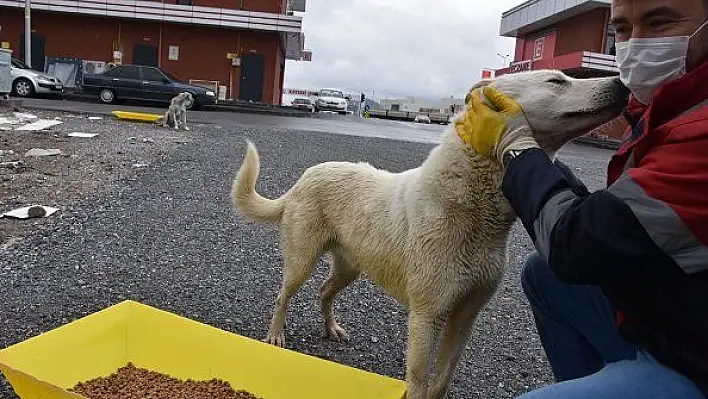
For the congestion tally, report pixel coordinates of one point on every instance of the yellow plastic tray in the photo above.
(47, 365)
(137, 116)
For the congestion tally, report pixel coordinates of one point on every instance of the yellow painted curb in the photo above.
(136, 116)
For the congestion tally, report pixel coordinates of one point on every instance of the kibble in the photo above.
(132, 382)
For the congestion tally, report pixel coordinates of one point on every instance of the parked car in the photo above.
(26, 82)
(331, 100)
(303, 103)
(422, 119)
(137, 82)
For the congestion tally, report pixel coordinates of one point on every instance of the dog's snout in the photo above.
(620, 89)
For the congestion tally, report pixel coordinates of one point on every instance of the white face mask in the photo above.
(646, 63)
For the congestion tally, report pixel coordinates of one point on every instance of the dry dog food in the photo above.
(131, 382)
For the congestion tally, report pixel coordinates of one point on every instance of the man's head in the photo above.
(657, 18)
(636, 19)
(657, 41)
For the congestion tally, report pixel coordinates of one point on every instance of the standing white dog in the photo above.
(433, 237)
(176, 114)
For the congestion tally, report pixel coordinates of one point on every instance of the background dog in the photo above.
(176, 114)
(433, 237)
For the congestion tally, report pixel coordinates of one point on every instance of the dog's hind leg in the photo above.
(300, 253)
(460, 325)
(423, 332)
(341, 274)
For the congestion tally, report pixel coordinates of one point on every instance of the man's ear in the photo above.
(481, 83)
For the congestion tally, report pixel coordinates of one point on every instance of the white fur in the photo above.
(176, 114)
(433, 237)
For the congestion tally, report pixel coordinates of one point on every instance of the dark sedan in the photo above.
(135, 82)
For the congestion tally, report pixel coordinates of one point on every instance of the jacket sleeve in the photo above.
(578, 186)
(649, 216)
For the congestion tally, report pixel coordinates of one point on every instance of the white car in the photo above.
(331, 100)
(422, 119)
(26, 82)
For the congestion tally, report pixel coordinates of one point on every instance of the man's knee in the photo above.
(534, 271)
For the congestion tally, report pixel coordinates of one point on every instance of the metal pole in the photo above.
(28, 34)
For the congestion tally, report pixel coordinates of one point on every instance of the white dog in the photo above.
(176, 114)
(433, 237)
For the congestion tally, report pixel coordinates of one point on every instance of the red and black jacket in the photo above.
(643, 239)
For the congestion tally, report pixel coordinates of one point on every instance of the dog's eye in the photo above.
(556, 81)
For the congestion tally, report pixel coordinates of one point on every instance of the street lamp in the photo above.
(504, 57)
(28, 34)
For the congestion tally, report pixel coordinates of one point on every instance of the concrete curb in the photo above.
(59, 109)
(257, 110)
(98, 113)
(254, 109)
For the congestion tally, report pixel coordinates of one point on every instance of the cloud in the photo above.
(400, 48)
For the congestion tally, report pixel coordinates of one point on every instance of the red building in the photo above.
(241, 45)
(574, 36)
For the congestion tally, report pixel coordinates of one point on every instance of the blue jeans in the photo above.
(588, 357)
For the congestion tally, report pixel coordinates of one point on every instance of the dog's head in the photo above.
(185, 98)
(558, 107)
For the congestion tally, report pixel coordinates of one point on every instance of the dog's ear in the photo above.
(481, 83)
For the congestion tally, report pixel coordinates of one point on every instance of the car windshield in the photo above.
(19, 64)
(331, 93)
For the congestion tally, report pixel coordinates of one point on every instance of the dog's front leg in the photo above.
(423, 331)
(184, 120)
(460, 325)
(457, 333)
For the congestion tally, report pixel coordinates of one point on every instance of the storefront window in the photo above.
(610, 41)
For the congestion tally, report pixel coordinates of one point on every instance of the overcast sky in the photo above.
(399, 48)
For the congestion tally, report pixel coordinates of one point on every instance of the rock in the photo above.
(36, 212)
(40, 152)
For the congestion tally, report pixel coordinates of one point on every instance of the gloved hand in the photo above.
(494, 129)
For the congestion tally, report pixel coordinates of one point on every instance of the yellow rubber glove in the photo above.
(494, 129)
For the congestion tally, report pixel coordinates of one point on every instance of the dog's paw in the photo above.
(276, 339)
(337, 333)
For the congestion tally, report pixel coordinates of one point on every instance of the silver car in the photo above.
(26, 82)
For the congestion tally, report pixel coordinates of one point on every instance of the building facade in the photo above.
(238, 45)
(574, 36)
(411, 104)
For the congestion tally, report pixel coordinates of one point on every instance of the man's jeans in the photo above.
(589, 358)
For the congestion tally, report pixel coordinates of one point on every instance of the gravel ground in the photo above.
(87, 165)
(166, 235)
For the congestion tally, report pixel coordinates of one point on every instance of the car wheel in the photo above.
(192, 105)
(107, 96)
(23, 87)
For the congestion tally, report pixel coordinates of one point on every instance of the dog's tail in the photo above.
(244, 195)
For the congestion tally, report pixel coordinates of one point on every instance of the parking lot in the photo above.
(144, 213)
